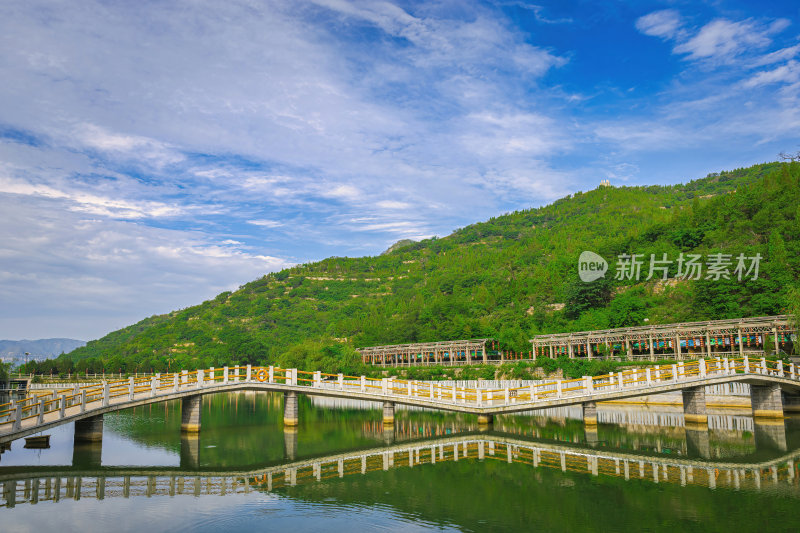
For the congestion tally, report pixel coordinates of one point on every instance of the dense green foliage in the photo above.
(508, 278)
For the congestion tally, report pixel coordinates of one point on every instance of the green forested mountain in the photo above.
(510, 277)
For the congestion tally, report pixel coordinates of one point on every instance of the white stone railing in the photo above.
(64, 403)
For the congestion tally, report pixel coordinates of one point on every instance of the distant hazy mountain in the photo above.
(38, 349)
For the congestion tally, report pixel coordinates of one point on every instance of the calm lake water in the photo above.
(341, 470)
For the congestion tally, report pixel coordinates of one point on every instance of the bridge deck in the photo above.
(34, 414)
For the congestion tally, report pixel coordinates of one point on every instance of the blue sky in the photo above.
(153, 154)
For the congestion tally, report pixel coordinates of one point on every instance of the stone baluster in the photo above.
(17, 415)
(40, 420)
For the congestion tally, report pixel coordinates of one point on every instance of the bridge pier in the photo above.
(290, 409)
(694, 405)
(590, 433)
(791, 403)
(770, 434)
(89, 429)
(698, 442)
(766, 401)
(10, 494)
(190, 450)
(485, 420)
(388, 434)
(87, 454)
(191, 410)
(589, 413)
(388, 413)
(290, 442)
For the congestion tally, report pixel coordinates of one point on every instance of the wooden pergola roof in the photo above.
(764, 324)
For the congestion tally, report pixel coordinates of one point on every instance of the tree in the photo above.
(582, 296)
(627, 309)
(5, 372)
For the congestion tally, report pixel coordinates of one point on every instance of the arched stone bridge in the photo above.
(774, 388)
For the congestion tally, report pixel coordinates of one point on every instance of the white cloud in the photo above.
(717, 101)
(58, 263)
(347, 192)
(264, 223)
(397, 227)
(622, 172)
(538, 12)
(393, 204)
(724, 39)
(642, 135)
(665, 23)
(720, 40)
(92, 203)
(788, 73)
(450, 42)
(512, 133)
(775, 57)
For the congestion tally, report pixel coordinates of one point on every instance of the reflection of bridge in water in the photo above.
(639, 427)
(74, 484)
